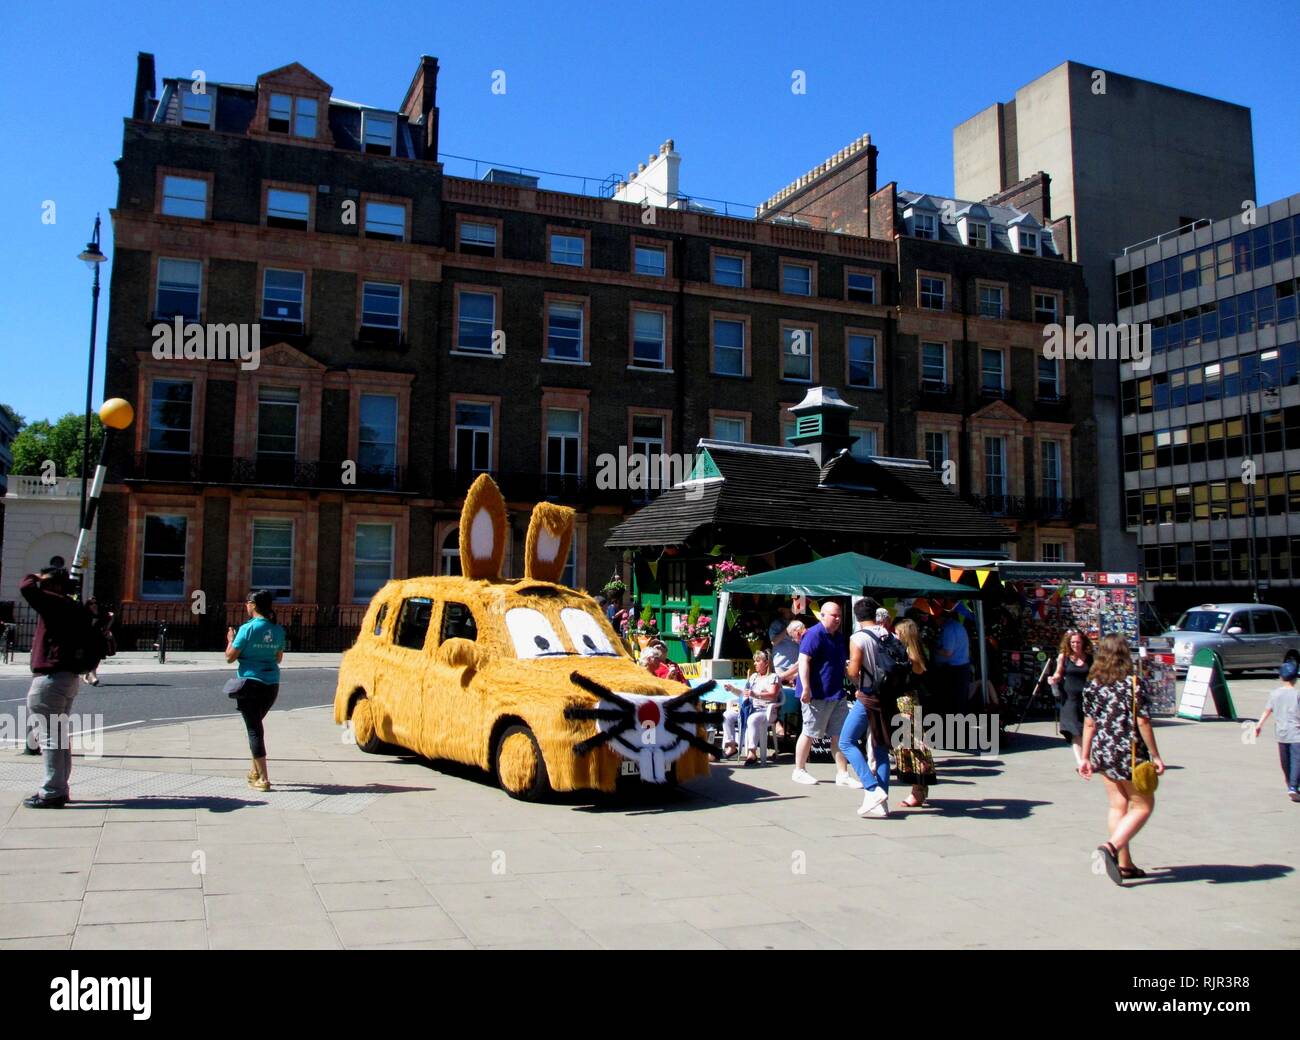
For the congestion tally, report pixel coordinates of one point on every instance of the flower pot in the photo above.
(643, 641)
(699, 645)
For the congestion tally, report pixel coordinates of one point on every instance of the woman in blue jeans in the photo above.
(864, 716)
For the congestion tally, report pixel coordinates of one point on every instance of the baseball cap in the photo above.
(1288, 670)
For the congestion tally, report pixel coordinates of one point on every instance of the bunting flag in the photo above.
(716, 551)
(954, 574)
(890, 604)
(916, 558)
(982, 577)
(653, 566)
(964, 611)
(815, 554)
(933, 566)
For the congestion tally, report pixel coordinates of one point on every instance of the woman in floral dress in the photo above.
(913, 761)
(1109, 737)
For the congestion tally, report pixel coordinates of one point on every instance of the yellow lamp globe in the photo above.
(116, 413)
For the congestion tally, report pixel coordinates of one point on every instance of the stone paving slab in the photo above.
(166, 847)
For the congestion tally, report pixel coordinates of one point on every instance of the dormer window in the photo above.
(977, 234)
(378, 133)
(287, 113)
(1027, 242)
(923, 226)
(196, 109)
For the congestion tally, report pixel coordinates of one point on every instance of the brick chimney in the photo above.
(420, 106)
(142, 105)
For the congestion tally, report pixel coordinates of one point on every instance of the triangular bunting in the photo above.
(653, 566)
(982, 577)
(954, 574)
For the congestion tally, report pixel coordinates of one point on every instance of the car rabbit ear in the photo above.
(483, 530)
(546, 550)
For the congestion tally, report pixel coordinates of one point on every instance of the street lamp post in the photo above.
(92, 257)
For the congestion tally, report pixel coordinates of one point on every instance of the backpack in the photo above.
(893, 666)
(97, 641)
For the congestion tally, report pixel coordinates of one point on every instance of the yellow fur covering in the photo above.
(546, 549)
(482, 654)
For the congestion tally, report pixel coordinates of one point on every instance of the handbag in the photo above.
(1145, 777)
(234, 687)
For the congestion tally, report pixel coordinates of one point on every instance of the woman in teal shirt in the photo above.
(258, 646)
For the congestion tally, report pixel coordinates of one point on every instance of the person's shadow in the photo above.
(1214, 873)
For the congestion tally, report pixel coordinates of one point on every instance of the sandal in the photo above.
(910, 803)
(1128, 873)
(1112, 863)
(750, 760)
(732, 753)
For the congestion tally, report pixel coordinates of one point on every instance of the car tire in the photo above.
(363, 728)
(519, 766)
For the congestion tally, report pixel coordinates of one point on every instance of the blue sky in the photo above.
(591, 89)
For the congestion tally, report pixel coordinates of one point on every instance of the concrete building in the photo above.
(1211, 432)
(40, 522)
(1128, 159)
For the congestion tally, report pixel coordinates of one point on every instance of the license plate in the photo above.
(626, 768)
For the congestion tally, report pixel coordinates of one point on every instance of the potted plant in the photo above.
(644, 627)
(614, 587)
(696, 630)
(723, 573)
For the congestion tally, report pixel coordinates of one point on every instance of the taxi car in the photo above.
(523, 678)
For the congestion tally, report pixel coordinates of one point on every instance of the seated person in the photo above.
(763, 691)
(670, 670)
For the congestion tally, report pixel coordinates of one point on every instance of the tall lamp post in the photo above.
(93, 257)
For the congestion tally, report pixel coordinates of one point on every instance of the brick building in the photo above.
(417, 329)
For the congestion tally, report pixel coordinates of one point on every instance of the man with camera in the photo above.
(61, 651)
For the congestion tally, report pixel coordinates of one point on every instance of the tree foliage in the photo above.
(60, 441)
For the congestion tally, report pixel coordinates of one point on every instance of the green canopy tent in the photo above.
(848, 574)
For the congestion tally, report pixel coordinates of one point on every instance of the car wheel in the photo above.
(363, 728)
(519, 766)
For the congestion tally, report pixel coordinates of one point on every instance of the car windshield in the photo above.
(1202, 621)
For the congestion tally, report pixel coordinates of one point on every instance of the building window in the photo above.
(990, 301)
(372, 560)
(196, 109)
(728, 347)
(992, 372)
(1049, 379)
(473, 437)
(1028, 242)
(282, 295)
(185, 197)
(285, 111)
(796, 354)
(648, 442)
(729, 270)
(796, 279)
(651, 260)
(162, 574)
(381, 305)
(936, 449)
(478, 239)
(569, 576)
(934, 292)
(995, 471)
(864, 447)
(179, 288)
(378, 132)
(648, 339)
(377, 438)
(568, 250)
(563, 444)
(564, 331)
(728, 429)
(171, 414)
(923, 226)
(477, 315)
(1045, 308)
(977, 234)
(277, 423)
(287, 209)
(273, 557)
(861, 286)
(385, 220)
(862, 361)
(450, 555)
(1053, 552)
(934, 366)
(1053, 485)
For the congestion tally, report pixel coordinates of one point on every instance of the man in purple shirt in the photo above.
(823, 655)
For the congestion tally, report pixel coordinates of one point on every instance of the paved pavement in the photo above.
(166, 847)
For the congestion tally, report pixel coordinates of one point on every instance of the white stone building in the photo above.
(40, 521)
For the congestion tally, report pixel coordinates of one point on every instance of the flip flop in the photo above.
(1128, 873)
(910, 803)
(1112, 863)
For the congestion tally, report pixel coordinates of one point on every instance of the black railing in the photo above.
(266, 471)
(524, 486)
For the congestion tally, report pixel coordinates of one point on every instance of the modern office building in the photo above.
(1211, 432)
(1128, 159)
(417, 329)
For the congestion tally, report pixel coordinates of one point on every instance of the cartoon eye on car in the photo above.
(525, 679)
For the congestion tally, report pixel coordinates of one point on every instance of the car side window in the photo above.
(1284, 623)
(1265, 622)
(458, 623)
(413, 623)
(379, 619)
(1241, 620)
